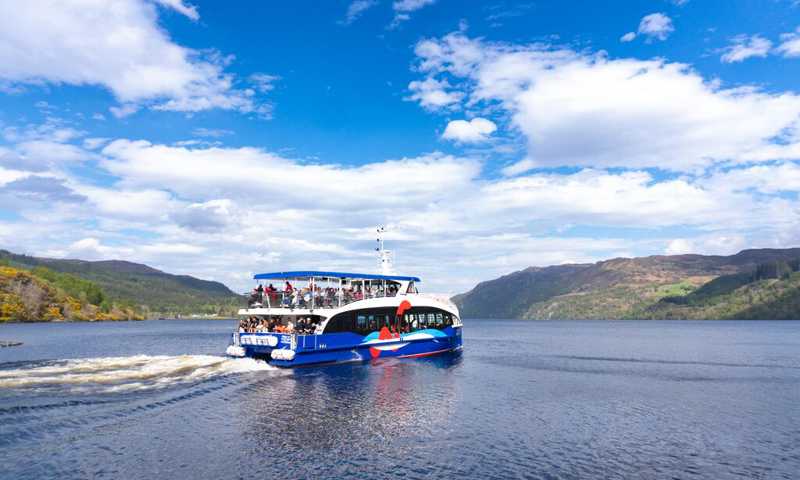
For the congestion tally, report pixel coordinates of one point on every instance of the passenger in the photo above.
(260, 292)
(253, 298)
(272, 293)
(295, 299)
(288, 288)
(319, 298)
(289, 327)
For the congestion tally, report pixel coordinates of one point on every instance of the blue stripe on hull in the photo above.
(350, 347)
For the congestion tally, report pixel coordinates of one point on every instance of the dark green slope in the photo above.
(127, 282)
(634, 288)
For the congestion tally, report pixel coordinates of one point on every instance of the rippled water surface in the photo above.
(525, 400)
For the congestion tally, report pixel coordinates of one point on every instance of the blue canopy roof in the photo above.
(313, 273)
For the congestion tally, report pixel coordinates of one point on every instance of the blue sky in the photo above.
(224, 138)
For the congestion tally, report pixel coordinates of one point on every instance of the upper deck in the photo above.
(306, 291)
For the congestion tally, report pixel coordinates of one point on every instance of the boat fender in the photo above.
(235, 351)
(282, 354)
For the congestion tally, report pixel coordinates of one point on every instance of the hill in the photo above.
(635, 287)
(44, 295)
(154, 292)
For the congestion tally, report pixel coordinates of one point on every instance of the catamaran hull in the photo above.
(291, 351)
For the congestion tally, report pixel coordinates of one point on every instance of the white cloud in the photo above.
(90, 248)
(126, 52)
(211, 132)
(124, 110)
(656, 26)
(707, 244)
(433, 94)
(770, 179)
(94, 142)
(743, 47)
(209, 216)
(179, 6)
(588, 110)
(256, 210)
(628, 37)
(679, 246)
(263, 82)
(403, 8)
(472, 131)
(200, 172)
(356, 9)
(790, 44)
(410, 5)
(128, 204)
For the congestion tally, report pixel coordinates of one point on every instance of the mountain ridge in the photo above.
(614, 288)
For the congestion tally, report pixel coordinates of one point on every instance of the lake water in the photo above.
(524, 400)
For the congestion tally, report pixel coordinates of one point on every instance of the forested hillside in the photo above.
(153, 292)
(41, 294)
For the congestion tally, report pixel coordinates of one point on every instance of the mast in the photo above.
(384, 256)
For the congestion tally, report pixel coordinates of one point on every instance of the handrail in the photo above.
(321, 300)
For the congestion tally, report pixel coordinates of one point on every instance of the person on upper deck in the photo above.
(288, 288)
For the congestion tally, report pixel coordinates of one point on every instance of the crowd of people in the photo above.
(314, 296)
(304, 326)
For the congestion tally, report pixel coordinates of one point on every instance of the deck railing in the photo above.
(307, 300)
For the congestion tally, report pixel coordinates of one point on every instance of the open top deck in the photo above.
(314, 289)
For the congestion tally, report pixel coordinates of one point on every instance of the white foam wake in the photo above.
(139, 372)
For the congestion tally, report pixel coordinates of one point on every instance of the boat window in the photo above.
(412, 320)
(373, 325)
(361, 323)
(439, 320)
(431, 320)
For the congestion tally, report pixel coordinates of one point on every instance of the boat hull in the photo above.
(285, 350)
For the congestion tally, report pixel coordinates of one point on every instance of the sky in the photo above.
(223, 139)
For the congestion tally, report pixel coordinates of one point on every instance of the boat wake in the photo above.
(124, 374)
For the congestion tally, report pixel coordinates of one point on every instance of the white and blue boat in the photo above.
(314, 317)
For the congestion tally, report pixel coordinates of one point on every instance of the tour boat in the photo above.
(314, 317)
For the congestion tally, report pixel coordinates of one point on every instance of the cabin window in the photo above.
(431, 320)
(439, 320)
(361, 323)
(372, 324)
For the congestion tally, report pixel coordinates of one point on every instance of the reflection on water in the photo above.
(524, 400)
(326, 408)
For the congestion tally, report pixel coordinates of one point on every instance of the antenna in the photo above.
(385, 257)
